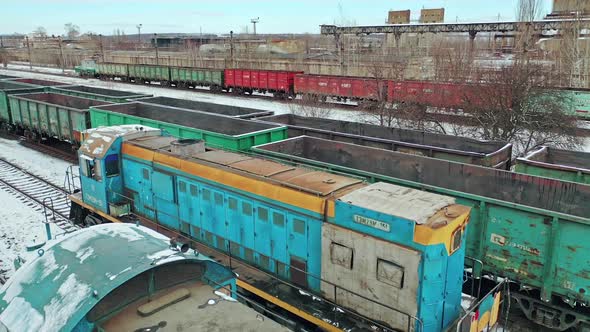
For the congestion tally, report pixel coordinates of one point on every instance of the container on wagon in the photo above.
(216, 130)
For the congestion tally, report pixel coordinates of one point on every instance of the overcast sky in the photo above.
(221, 16)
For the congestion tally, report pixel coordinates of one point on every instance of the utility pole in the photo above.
(254, 21)
(101, 48)
(29, 51)
(61, 53)
(231, 48)
(156, 43)
(139, 33)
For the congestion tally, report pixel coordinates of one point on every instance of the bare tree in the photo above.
(452, 62)
(310, 106)
(379, 107)
(72, 30)
(574, 53)
(517, 105)
(3, 57)
(40, 32)
(529, 10)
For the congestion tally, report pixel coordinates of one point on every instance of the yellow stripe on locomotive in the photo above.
(380, 246)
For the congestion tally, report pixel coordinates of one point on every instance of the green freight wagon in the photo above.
(528, 229)
(227, 110)
(576, 101)
(149, 73)
(447, 147)
(192, 77)
(114, 96)
(112, 71)
(44, 83)
(216, 130)
(557, 164)
(87, 68)
(581, 101)
(52, 115)
(10, 88)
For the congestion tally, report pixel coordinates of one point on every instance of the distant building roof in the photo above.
(54, 290)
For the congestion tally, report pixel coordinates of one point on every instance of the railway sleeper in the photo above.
(552, 316)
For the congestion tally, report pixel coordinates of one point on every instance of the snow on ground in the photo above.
(21, 222)
(50, 70)
(194, 94)
(49, 168)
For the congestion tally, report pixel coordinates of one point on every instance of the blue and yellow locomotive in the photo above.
(392, 254)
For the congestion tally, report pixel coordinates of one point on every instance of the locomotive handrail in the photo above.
(504, 284)
(411, 318)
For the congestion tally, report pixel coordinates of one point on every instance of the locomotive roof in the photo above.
(300, 178)
(60, 284)
(411, 204)
(97, 141)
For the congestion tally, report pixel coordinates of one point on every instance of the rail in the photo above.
(51, 198)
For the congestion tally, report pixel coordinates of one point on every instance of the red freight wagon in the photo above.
(249, 80)
(437, 94)
(342, 87)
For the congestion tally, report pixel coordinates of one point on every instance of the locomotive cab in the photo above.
(100, 167)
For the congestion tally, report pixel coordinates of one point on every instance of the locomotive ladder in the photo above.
(37, 193)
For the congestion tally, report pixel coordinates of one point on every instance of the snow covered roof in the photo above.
(97, 141)
(411, 204)
(54, 290)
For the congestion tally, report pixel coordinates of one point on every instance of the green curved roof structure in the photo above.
(55, 289)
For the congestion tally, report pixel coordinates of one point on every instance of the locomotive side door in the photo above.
(279, 242)
(262, 237)
(147, 197)
(297, 248)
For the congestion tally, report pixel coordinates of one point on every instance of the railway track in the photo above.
(38, 193)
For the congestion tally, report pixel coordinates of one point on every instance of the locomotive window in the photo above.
(390, 273)
(194, 190)
(263, 214)
(299, 226)
(233, 204)
(111, 163)
(146, 174)
(246, 209)
(206, 195)
(341, 255)
(218, 198)
(85, 167)
(181, 186)
(97, 172)
(456, 239)
(278, 219)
